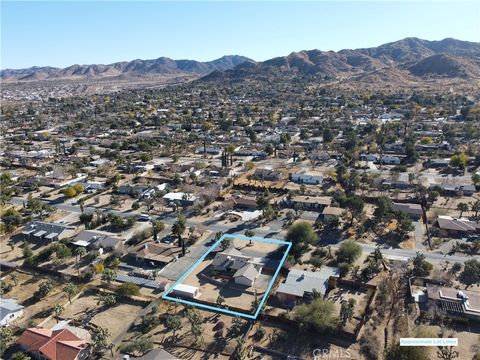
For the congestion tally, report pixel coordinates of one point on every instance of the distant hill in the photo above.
(137, 68)
(404, 61)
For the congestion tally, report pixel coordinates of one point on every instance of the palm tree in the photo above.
(109, 275)
(178, 229)
(71, 290)
(79, 253)
(475, 207)
(462, 207)
(14, 278)
(220, 300)
(58, 310)
(250, 234)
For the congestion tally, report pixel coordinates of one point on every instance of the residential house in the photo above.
(307, 178)
(156, 254)
(457, 304)
(247, 268)
(329, 213)
(413, 210)
(10, 310)
(369, 157)
(301, 285)
(184, 199)
(245, 202)
(98, 240)
(454, 302)
(457, 226)
(43, 231)
(49, 344)
(390, 160)
(267, 174)
(317, 203)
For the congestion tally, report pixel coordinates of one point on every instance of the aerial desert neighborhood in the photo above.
(295, 204)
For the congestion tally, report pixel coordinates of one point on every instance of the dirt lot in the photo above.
(344, 293)
(287, 340)
(209, 292)
(210, 339)
(35, 310)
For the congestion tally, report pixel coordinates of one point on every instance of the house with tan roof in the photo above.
(156, 254)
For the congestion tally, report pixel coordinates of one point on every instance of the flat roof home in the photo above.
(308, 202)
(10, 310)
(245, 202)
(309, 178)
(413, 210)
(330, 212)
(300, 285)
(39, 230)
(181, 197)
(455, 302)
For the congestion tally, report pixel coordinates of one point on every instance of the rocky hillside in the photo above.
(406, 60)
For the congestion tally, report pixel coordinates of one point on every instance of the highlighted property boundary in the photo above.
(226, 311)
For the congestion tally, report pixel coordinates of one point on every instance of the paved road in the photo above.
(174, 270)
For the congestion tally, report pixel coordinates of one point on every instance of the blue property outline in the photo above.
(226, 311)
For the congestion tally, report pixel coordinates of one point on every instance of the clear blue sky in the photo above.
(66, 33)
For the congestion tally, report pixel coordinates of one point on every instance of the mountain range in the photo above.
(405, 62)
(136, 68)
(408, 59)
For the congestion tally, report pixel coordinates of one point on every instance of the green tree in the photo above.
(476, 179)
(354, 205)
(12, 219)
(178, 229)
(471, 271)
(100, 337)
(459, 161)
(157, 226)
(107, 299)
(462, 207)
(6, 336)
(346, 311)
(128, 289)
(225, 243)
(173, 324)
(301, 235)
(109, 275)
(317, 316)
(71, 290)
(20, 356)
(44, 288)
(348, 252)
(14, 278)
(220, 301)
(475, 207)
(421, 267)
(58, 309)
